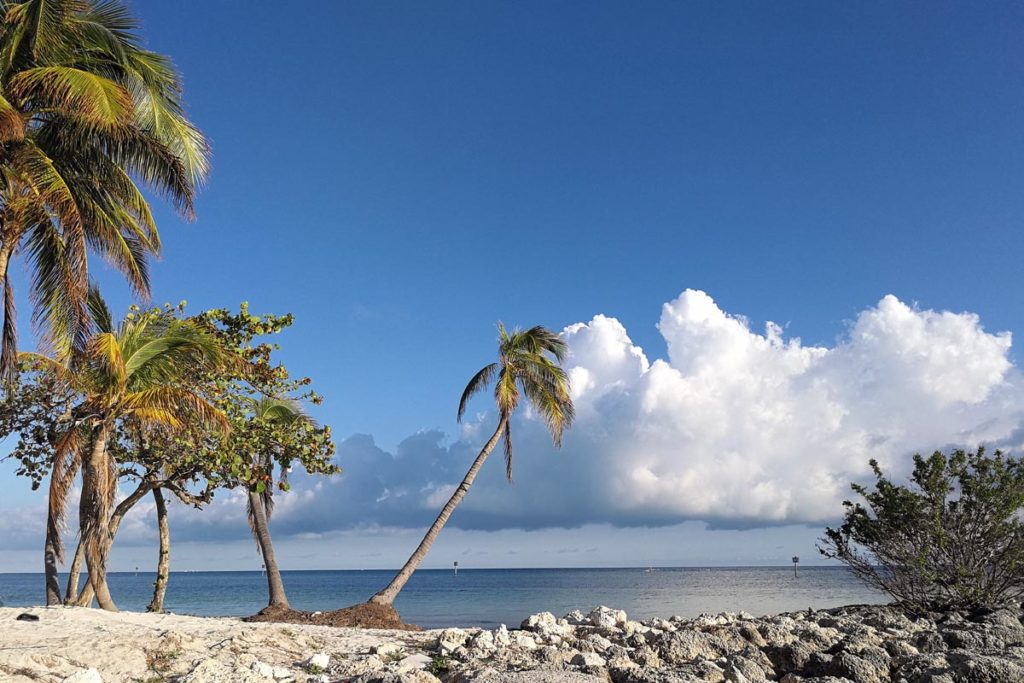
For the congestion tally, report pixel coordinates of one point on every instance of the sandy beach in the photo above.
(131, 646)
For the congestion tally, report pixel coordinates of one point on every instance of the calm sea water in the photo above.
(488, 597)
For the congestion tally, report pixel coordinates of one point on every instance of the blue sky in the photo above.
(402, 175)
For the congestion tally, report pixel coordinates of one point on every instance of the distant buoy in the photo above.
(456, 568)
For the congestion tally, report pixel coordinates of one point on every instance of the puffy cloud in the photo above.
(733, 427)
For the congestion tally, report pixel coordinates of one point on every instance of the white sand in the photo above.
(130, 646)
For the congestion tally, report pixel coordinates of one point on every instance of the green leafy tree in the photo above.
(952, 538)
(87, 119)
(528, 366)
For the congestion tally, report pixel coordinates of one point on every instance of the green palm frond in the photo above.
(529, 365)
(479, 381)
(99, 100)
(88, 119)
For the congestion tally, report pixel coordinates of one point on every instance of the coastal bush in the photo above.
(950, 539)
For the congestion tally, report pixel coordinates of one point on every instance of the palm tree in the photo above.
(528, 365)
(272, 412)
(86, 114)
(138, 372)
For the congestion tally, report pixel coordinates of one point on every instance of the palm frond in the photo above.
(479, 381)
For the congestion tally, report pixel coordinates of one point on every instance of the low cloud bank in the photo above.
(735, 427)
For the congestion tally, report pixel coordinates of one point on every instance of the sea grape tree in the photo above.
(950, 538)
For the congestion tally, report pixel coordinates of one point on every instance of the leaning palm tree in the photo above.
(270, 413)
(138, 372)
(528, 366)
(87, 117)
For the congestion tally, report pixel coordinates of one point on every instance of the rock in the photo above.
(979, 668)
(501, 636)
(605, 617)
(412, 662)
(930, 642)
(684, 646)
(396, 677)
(319, 661)
(576, 618)
(387, 650)
(539, 676)
(587, 659)
(743, 670)
(857, 669)
(750, 633)
(82, 675)
(483, 643)
(451, 639)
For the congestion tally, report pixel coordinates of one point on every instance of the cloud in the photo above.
(733, 427)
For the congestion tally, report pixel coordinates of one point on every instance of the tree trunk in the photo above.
(98, 488)
(390, 592)
(51, 571)
(71, 595)
(275, 585)
(163, 565)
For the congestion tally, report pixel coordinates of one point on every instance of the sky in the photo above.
(780, 240)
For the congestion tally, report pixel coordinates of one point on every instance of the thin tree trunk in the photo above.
(390, 592)
(163, 565)
(98, 482)
(116, 518)
(71, 595)
(261, 529)
(51, 571)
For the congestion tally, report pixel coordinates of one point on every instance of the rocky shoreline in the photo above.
(859, 644)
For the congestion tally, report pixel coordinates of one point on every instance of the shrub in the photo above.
(951, 539)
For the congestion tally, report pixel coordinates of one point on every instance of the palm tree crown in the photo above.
(85, 114)
(528, 365)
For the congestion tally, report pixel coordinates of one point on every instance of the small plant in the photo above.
(160, 662)
(439, 665)
(392, 657)
(315, 669)
(951, 539)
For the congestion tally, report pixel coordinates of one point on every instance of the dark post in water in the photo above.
(796, 561)
(456, 567)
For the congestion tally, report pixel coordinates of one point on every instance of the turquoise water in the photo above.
(488, 597)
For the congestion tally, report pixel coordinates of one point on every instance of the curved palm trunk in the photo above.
(390, 592)
(74, 576)
(275, 585)
(164, 563)
(94, 516)
(72, 597)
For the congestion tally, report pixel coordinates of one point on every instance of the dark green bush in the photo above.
(951, 539)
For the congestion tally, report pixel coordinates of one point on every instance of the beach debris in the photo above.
(25, 616)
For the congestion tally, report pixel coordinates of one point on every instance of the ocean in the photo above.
(488, 597)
